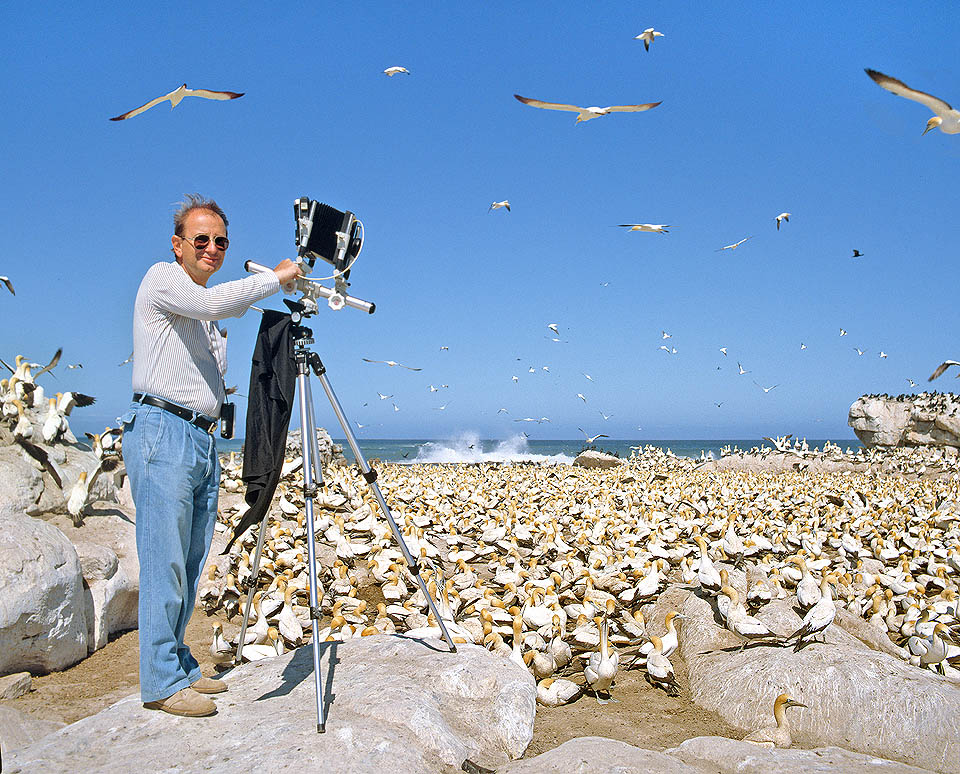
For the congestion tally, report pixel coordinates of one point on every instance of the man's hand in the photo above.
(287, 271)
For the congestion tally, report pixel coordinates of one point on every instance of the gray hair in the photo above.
(193, 202)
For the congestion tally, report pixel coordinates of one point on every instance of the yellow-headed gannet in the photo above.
(947, 120)
(779, 735)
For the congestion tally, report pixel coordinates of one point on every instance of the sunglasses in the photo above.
(201, 241)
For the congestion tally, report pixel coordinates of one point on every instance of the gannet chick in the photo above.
(947, 120)
(648, 36)
(779, 735)
(555, 692)
(586, 113)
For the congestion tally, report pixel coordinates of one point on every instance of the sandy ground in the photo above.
(641, 716)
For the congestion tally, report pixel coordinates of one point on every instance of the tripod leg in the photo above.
(254, 573)
(311, 471)
(371, 479)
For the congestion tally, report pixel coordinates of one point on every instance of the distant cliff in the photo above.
(927, 419)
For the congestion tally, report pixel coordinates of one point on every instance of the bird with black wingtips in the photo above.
(946, 118)
(6, 281)
(586, 113)
(175, 97)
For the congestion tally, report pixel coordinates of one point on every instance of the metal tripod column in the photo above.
(312, 472)
(370, 476)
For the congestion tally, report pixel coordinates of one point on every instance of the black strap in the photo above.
(193, 417)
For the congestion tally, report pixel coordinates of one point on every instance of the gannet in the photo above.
(660, 670)
(175, 96)
(395, 70)
(819, 617)
(941, 368)
(707, 574)
(591, 438)
(947, 120)
(740, 622)
(734, 246)
(651, 228)
(6, 281)
(856, 253)
(742, 369)
(601, 669)
(391, 363)
(782, 216)
(555, 692)
(778, 736)
(648, 36)
(220, 650)
(586, 113)
(505, 204)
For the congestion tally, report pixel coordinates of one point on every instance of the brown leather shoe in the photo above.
(209, 685)
(186, 702)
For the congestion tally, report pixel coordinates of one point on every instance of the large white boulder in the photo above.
(596, 459)
(720, 755)
(857, 698)
(927, 419)
(42, 621)
(393, 704)
(598, 755)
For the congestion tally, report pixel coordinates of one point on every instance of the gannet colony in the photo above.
(817, 581)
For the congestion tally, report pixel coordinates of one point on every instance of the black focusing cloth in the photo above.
(273, 382)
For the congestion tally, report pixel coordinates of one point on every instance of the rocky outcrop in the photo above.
(719, 755)
(842, 681)
(394, 704)
(596, 459)
(598, 755)
(329, 451)
(927, 419)
(64, 589)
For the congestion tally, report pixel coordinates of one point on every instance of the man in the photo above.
(169, 448)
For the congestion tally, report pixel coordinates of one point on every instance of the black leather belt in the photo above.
(193, 417)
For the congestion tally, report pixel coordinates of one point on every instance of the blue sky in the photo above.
(766, 109)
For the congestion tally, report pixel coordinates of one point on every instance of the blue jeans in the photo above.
(175, 477)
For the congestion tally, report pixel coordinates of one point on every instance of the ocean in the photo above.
(470, 448)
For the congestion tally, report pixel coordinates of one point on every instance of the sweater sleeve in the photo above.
(172, 290)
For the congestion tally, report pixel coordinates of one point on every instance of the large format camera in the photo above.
(325, 232)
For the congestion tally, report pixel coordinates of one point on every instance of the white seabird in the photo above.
(652, 228)
(734, 246)
(648, 36)
(176, 96)
(586, 113)
(505, 204)
(782, 216)
(946, 119)
(391, 71)
(6, 281)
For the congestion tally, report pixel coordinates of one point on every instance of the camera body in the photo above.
(325, 232)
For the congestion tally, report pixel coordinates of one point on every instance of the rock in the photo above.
(927, 419)
(730, 756)
(42, 621)
(597, 755)
(15, 686)
(395, 704)
(842, 682)
(329, 451)
(17, 729)
(111, 576)
(596, 459)
(20, 482)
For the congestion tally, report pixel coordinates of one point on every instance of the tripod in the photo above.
(306, 360)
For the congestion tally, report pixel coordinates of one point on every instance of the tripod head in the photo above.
(311, 291)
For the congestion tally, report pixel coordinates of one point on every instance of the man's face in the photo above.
(200, 264)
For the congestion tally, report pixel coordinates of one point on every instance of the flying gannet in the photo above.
(782, 216)
(940, 369)
(391, 71)
(648, 36)
(586, 113)
(856, 253)
(505, 204)
(947, 120)
(592, 438)
(6, 281)
(390, 363)
(175, 96)
(734, 246)
(651, 228)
